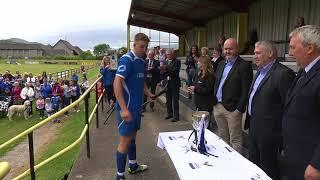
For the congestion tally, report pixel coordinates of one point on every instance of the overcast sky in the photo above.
(84, 23)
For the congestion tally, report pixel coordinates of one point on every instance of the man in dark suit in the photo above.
(172, 69)
(265, 108)
(233, 79)
(152, 75)
(301, 117)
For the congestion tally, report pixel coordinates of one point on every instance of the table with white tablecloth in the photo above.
(225, 164)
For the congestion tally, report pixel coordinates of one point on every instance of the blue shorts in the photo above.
(127, 128)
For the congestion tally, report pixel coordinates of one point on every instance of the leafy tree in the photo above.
(87, 55)
(100, 49)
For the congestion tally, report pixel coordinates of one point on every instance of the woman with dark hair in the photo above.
(191, 65)
(203, 86)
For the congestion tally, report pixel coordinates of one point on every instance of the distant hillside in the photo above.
(17, 41)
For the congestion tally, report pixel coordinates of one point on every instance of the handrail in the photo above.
(5, 167)
(59, 74)
(55, 155)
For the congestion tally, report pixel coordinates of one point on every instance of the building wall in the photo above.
(273, 20)
(21, 53)
(61, 45)
(191, 38)
(225, 24)
(214, 29)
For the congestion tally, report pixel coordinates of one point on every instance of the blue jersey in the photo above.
(131, 69)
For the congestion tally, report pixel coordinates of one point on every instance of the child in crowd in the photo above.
(85, 84)
(48, 107)
(40, 106)
(55, 101)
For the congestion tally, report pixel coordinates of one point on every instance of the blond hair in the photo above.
(105, 60)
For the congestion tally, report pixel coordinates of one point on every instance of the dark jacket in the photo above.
(301, 121)
(154, 72)
(268, 102)
(173, 70)
(236, 86)
(203, 92)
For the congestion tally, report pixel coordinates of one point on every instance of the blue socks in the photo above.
(132, 155)
(121, 164)
(122, 159)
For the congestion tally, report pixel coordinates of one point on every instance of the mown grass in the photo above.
(35, 69)
(9, 129)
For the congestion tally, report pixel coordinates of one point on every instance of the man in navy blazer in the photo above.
(301, 119)
(152, 75)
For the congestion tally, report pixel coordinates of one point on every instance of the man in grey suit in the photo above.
(265, 108)
(301, 119)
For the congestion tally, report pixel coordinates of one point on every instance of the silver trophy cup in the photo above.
(196, 123)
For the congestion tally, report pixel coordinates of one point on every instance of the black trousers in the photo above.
(41, 112)
(152, 87)
(110, 93)
(264, 152)
(294, 171)
(172, 98)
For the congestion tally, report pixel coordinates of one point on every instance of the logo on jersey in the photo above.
(140, 75)
(122, 68)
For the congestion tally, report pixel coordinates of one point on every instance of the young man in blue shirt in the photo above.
(129, 87)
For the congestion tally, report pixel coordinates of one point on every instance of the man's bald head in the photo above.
(231, 48)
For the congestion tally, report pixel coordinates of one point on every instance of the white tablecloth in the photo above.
(229, 165)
